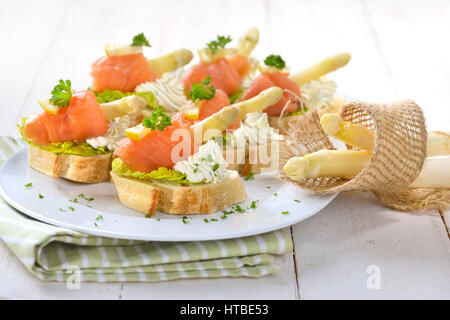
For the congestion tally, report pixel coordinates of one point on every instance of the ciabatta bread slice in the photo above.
(172, 198)
(76, 168)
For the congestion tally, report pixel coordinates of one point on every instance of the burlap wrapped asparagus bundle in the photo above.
(399, 151)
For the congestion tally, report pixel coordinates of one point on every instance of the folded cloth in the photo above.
(58, 254)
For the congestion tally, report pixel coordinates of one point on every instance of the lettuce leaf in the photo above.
(161, 174)
(67, 147)
(112, 95)
(299, 112)
(235, 96)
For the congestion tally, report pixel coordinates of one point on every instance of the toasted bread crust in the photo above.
(76, 168)
(257, 159)
(172, 198)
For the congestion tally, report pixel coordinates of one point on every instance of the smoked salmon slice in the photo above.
(214, 105)
(240, 63)
(121, 72)
(223, 75)
(267, 80)
(155, 149)
(80, 120)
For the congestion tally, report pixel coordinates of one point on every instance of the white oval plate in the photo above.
(273, 197)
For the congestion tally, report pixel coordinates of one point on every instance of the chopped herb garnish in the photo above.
(285, 212)
(297, 200)
(41, 196)
(71, 208)
(159, 120)
(28, 185)
(61, 93)
(238, 208)
(158, 219)
(206, 220)
(203, 90)
(99, 217)
(214, 219)
(228, 212)
(75, 200)
(81, 195)
(268, 187)
(195, 170)
(223, 217)
(275, 61)
(95, 224)
(140, 40)
(216, 166)
(185, 219)
(220, 43)
(250, 176)
(148, 216)
(275, 194)
(62, 210)
(253, 205)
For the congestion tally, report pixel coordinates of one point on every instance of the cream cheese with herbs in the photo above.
(254, 130)
(168, 90)
(115, 133)
(318, 94)
(206, 165)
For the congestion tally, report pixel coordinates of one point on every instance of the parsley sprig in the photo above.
(159, 120)
(219, 43)
(275, 61)
(203, 90)
(61, 93)
(140, 40)
(250, 176)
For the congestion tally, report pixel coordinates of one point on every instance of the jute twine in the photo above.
(397, 158)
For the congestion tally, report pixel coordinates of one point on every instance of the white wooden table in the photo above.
(400, 50)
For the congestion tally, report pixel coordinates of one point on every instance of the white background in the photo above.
(400, 49)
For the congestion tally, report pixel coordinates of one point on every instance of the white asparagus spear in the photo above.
(220, 120)
(226, 116)
(248, 42)
(321, 68)
(130, 105)
(171, 61)
(327, 163)
(260, 102)
(245, 46)
(435, 173)
(438, 143)
(215, 123)
(347, 164)
(358, 136)
(159, 65)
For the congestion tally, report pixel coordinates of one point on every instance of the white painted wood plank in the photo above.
(336, 247)
(304, 32)
(281, 285)
(413, 36)
(26, 32)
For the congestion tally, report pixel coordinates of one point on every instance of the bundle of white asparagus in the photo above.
(347, 164)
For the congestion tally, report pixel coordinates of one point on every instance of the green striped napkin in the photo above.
(58, 254)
